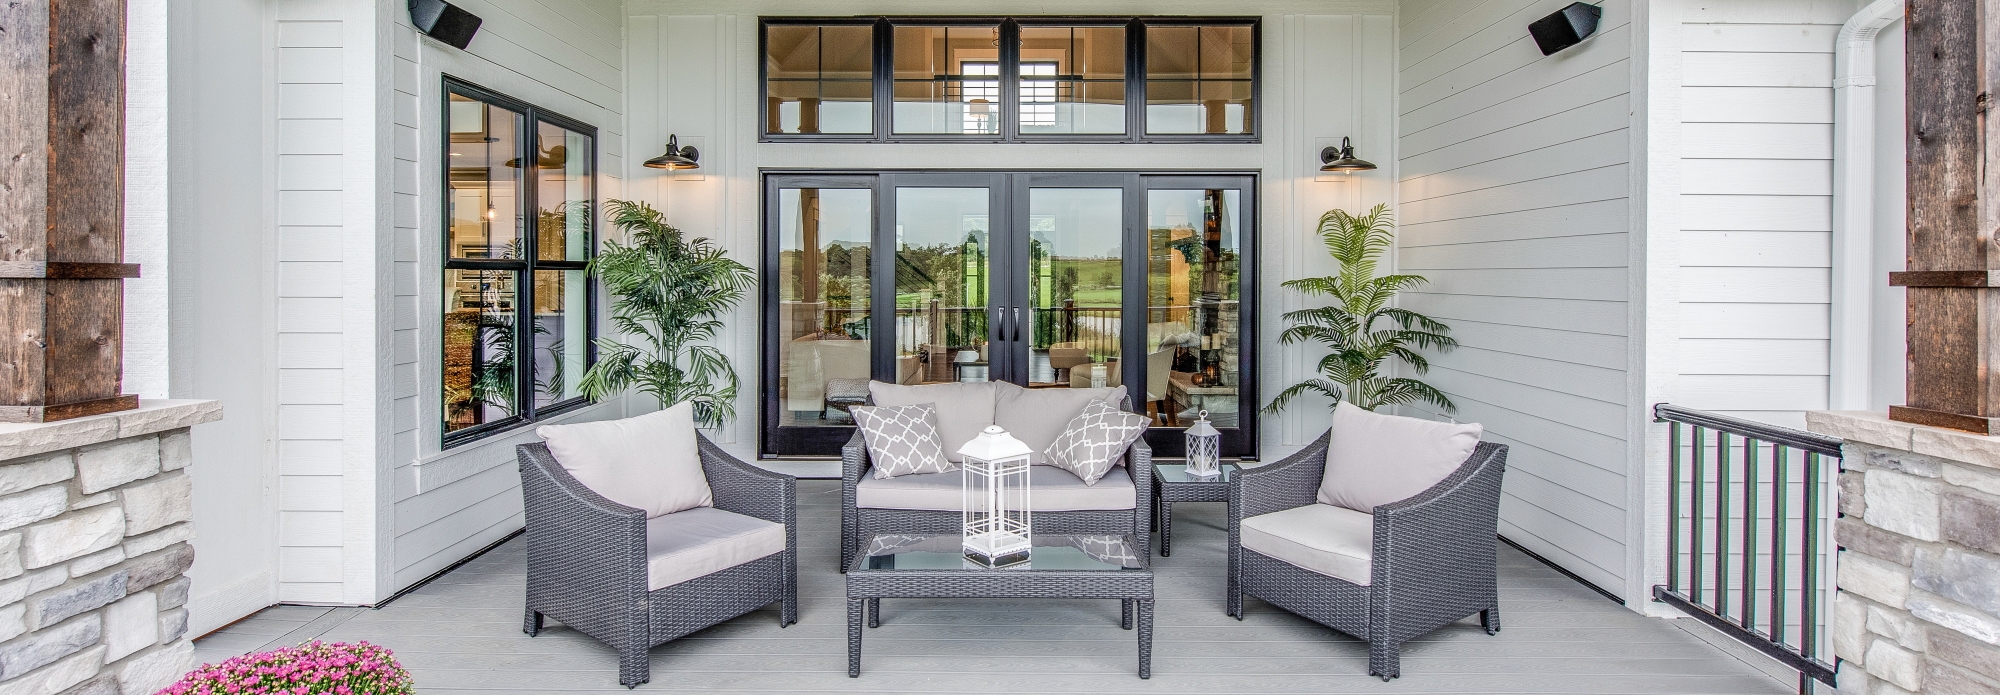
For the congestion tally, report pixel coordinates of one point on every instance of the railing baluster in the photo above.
(1809, 560)
(1722, 485)
(1748, 589)
(1780, 498)
(1700, 513)
(1673, 506)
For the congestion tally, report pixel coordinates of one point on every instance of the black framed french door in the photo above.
(1042, 279)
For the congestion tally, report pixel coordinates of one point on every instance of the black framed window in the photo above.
(519, 228)
(996, 79)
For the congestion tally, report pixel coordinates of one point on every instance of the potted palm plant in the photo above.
(668, 295)
(1360, 329)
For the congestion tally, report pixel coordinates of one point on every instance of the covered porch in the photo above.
(462, 632)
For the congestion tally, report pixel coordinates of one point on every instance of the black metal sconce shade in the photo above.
(1342, 159)
(444, 21)
(677, 157)
(1567, 27)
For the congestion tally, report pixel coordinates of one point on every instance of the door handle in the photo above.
(1017, 325)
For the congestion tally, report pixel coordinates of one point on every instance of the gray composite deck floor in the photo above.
(463, 633)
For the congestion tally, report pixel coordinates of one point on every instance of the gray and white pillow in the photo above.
(902, 439)
(1094, 439)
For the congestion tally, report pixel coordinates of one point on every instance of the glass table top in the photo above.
(1177, 473)
(1051, 552)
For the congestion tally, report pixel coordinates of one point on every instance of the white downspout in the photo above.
(1854, 202)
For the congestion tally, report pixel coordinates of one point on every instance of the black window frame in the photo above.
(525, 410)
(883, 104)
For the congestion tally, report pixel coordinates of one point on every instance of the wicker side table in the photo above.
(934, 566)
(1171, 484)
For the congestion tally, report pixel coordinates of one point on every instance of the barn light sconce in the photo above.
(677, 157)
(1341, 159)
(1567, 27)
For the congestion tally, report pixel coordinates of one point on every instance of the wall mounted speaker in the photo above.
(1566, 27)
(444, 21)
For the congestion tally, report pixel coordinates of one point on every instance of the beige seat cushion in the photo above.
(1038, 416)
(649, 462)
(1051, 490)
(1376, 459)
(963, 409)
(705, 540)
(1330, 540)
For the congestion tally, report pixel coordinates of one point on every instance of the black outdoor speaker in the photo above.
(1566, 27)
(444, 21)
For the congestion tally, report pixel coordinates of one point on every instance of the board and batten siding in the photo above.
(564, 56)
(1515, 186)
(1756, 206)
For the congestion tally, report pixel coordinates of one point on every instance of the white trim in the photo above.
(1854, 201)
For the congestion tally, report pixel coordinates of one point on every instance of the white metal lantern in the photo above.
(996, 517)
(1204, 448)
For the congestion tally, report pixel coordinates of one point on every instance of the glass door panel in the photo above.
(1194, 306)
(823, 328)
(944, 285)
(1075, 286)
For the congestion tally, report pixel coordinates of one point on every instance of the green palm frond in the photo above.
(1359, 328)
(670, 293)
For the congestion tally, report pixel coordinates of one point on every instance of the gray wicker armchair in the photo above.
(1432, 561)
(858, 524)
(587, 560)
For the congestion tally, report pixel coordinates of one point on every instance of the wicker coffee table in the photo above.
(1171, 483)
(1066, 567)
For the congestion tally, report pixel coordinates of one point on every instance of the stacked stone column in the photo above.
(1918, 609)
(94, 549)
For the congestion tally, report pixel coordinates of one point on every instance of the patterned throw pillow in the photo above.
(1094, 439)
(902, 439)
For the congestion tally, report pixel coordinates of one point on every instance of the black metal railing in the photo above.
(1746, 549)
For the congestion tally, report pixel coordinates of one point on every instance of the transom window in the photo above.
(519, 229)
(1109, 79)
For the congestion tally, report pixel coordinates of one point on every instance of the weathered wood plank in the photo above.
(1948, 62)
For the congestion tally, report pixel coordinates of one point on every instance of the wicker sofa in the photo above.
(1120, 504)
(1432, 561)
(588, 563)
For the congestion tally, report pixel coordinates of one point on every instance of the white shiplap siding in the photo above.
(1756, 204)
(310, 298)
(566, 56)
(1515, 176)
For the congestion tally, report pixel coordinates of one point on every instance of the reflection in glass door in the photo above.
(1046, 280)
(943, 285)
(820, 352)
(1194, 305)
(1075, 287)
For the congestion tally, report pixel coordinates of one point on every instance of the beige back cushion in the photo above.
(963, 409)
(1377, 459)
(1038, 416)
(650, 462)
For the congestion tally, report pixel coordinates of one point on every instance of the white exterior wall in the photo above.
(1327, 70)
(1516, 189)
(1756, 206)
(565, 56)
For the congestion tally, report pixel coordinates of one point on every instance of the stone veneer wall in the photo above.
(1918, 609)
(95, 531)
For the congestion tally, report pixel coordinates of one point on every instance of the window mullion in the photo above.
(1010, 79)
(524, 279)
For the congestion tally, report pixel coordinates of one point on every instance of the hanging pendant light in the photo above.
(1341, 159)
(677, 157)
